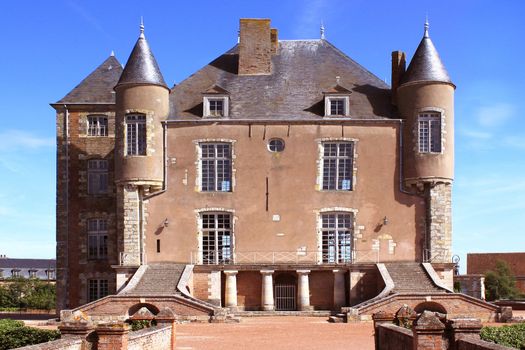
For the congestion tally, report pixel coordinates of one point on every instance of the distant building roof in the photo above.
(7, 263)
(479, 263)
(301, 71)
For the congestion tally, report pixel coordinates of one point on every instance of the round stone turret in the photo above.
(142, 103)
(426, 102)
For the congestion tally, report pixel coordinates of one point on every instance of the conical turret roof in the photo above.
(426, 64)
(141, 67)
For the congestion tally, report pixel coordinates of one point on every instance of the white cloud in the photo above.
(490, 116)
(475, 134)
(11, 140)
(515, 142)
(87, 16)
(310, 17)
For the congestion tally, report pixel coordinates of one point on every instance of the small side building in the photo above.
(480, 263)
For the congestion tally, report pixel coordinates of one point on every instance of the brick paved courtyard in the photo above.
(276, 333)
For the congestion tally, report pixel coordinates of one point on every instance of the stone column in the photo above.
(267, 303)
(231, 288)
(304, 291)
(428, 332)
(339, 289)
(112, 336)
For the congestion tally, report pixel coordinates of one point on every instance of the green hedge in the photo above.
(13, 334)
(513, 335)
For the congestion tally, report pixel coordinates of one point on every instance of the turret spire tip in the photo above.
(141, 27)
(427, 25)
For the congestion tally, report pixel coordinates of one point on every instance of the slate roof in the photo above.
(98, 86)
(141, 67)
(27, 263)
(426, 65)
(302, 71)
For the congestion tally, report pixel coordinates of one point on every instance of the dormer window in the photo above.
(337, 102)
(215, 102)
(215, 106)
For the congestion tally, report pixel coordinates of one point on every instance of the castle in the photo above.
(281, 176)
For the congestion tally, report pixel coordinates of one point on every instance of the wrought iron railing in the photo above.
(280, 258)
(440, 256)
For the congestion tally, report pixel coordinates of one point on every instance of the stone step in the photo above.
(411, 278)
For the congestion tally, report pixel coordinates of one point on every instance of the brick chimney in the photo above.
(255, 47)
(274, 38)
(398, 69)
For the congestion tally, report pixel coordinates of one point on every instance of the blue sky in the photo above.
(50, 46)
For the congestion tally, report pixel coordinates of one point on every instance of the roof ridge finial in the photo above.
(322, 30)
(112, 53)
(425, 35)
(141, 27)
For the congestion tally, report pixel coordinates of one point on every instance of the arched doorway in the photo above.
(285, 292)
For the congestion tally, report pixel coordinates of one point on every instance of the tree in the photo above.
(501, 283)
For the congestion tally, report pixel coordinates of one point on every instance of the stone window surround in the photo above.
(319, 229)
(198, 163)
(83, 175)
(206, 105)
(320, 151)
(83, 124)
(98, 172)
(83, 241)
(99, 233)
(328, 101)
(415, 130)
(84, 285)
(198, 217)
(149, 132)
(97, 129)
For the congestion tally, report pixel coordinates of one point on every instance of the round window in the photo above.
(276, 145)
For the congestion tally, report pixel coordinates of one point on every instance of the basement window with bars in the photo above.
(429, 130)
(216, 238)
(97, 125)
(337, 160)
(97, 288)
(136, 135)
(216, 167)
(336, 237)
(97, 174)
(97, 230)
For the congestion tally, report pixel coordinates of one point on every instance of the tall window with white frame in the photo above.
(337, 160)
(216, 167)
(136, 135)
(97, 176)
(336, 237)
(97, 288)
(97, 125)
(217, 234)
(429, 129)
(97, 238)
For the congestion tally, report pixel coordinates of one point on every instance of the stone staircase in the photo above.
(411, 278)
(158, 279)
(401, 278)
